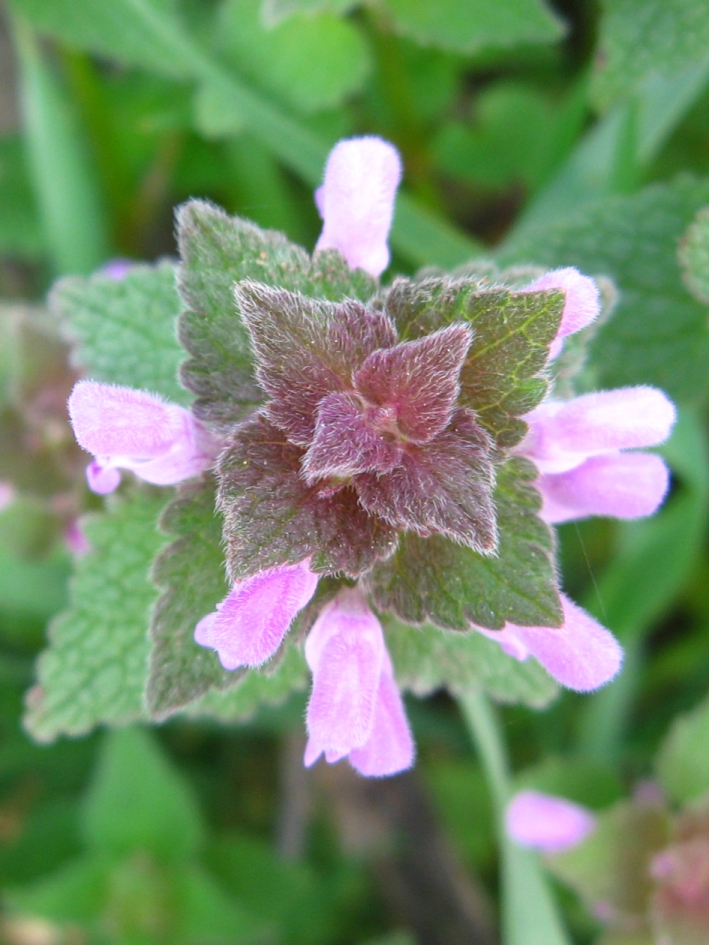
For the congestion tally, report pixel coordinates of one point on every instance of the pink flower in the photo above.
(548, 823)
(581, 654)
(131, 429)
(582, 301)
(356, 201)
(249, 625)
(355, 709)
(7, 494)
(577, 447)
(76, 540)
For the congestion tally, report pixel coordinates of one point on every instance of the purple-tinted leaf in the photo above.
(306, 349)
(442, 487)
(345, 444)
(272, 516)
(419, 379)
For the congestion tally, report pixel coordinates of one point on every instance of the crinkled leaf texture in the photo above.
(435, 580)
(217, 251)
(683, 763)
(503, 375)
(694, 256)
(96, 664)
(124, 330)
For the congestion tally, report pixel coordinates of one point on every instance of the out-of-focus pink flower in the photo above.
(249, 625)
(117, 268)
(577, 447)
(545, 822)
(581, 654)
(355, 709)
(76, 541)
(130, 429)
(582, 301)
(7, 494)
(356, 201)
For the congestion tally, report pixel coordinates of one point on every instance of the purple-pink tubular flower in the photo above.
(130, 429)
(581, 654)
(249, 625)
(355, 709)
(578, 447)
(547, 823)
(356, 201)
(582, 301)
(7, 494)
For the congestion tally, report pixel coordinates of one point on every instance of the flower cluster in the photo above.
(362, 437)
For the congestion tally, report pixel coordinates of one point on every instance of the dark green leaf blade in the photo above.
(434, 580)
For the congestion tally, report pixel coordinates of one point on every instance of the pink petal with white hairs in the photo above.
(356, 201)
(564, 433)
(390, 747)
(102, 476)
(548, 823)
(619, 485)
(582, 304)
(250, 624)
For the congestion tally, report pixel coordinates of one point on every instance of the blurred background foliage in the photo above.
(535, 131)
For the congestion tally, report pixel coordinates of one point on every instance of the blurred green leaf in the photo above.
(74, 893)
(637, 40)
(20, 229)
(470, 26)
(658, 334)
(683, 760)
(125, 330)
(95, 666)
(309, 62)
(215, 114)
(138, 801)
(208, 916)
(694, 256)
(273, 11)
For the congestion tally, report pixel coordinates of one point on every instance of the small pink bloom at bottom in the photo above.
(581, 654)
(355, 709)
(249, 625)
(548, 823)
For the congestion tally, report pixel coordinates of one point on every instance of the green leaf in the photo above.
(683, 761)
(208, 915)
(640, 40)
(434, 580)
(256, 689)
(310, 62)
(612, 866)
(20, 230)
(426, 659)
(95, 667)
(217, 251)
(139, 802)
(124, 329)
(658, 333)
(73, 893)
(694, 256)
(471, 26)
(190, 572)
(502, 377)
(273, 11)
(214, 113)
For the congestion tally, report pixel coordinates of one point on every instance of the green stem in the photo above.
(529, 913)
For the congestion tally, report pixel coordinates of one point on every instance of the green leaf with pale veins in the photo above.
(471, 26)
(658, 333)
(502, 377)
(683, 761)
(217, 251)
(190, 572)
(654, 37)
(125, 330)
(95, 667)
(256, 688)
(694, 256)
(426, 659)
(435, 580)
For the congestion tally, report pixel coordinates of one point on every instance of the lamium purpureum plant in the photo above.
(385, 462)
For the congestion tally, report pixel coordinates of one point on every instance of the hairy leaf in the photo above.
(125, 329)
(426, 659)
(190, 572)
(470, 26)
(502, 375)
(217, 251)
(694, 256)
(642, 39)
(658, 333)
(435, 580)
(442, 487)
(272, 517)
(96, 664)
(682, 764)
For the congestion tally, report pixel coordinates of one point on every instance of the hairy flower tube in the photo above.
(131, 429)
